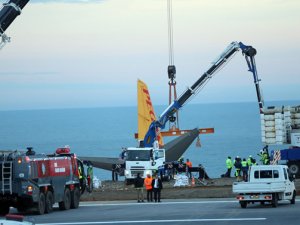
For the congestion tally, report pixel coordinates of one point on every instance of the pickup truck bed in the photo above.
(258, 187)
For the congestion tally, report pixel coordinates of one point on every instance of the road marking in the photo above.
(157, 221)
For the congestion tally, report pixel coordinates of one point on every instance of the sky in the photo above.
(90, 53)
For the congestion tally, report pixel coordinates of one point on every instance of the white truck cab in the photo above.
(266, 183)
(143, 161)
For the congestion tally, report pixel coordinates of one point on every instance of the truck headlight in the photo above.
(126, 172)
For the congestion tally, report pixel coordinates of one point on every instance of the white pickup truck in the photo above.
(266, 183)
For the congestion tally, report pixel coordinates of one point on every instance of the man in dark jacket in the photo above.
(139, 186)
(156, 187)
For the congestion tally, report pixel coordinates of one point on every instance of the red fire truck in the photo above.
(30, 181)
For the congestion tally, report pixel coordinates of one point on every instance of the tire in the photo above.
(128, 181)
(4, 209)
(293, 200)
(21, 208)
(41, 205)
(49, 202)
(275, 200)
(75, 198)
(243, 204)
(294, 169)
(66, 202)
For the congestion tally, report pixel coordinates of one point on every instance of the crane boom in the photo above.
(248, 51)
(8, 14)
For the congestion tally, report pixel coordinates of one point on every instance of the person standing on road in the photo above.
(188, 168)
(148, 186)
(157, 186)
(139, 186)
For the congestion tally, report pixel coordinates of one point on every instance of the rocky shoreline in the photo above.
(212, 188)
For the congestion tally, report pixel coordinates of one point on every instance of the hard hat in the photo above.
(250, 156)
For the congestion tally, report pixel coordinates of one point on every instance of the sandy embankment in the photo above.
(214, 188)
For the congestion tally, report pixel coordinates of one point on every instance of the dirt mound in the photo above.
(212, 188)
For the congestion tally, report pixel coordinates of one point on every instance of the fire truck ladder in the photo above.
(7, 177)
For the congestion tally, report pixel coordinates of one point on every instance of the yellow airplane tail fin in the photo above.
(146, 112)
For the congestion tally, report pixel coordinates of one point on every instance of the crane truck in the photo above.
(8, 14)
(149, 144)
(30, 181)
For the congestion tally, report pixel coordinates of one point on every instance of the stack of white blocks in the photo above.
(277, 124)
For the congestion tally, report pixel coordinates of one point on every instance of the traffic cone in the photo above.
(193, 181)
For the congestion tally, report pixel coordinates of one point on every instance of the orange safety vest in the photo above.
(148, 183)
(189, 164)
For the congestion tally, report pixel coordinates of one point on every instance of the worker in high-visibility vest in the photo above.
(148, 186)
(188, 167)
(238, 166)
(90, 177)
(229, 165)
(250, 160)
(245, 169)
(80, 176)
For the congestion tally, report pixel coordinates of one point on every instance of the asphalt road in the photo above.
(198, 211)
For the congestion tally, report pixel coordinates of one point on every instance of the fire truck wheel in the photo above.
(4, 209)
(66, 203)
(41, 204)
(49, 202)
(75, 198)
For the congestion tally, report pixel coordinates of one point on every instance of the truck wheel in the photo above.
(75, 198)
(293, 200)
(66, 202)
(21, 208)
(275, 200)
(4, 209)
(49, 202)
(41, 204)
(128, 181)
(243, 204)
(294, 168)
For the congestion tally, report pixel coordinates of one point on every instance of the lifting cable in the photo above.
(170, 32)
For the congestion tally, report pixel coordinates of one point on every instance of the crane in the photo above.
(248, 51)
(8, 14)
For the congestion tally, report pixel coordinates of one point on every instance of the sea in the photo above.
(104, 131)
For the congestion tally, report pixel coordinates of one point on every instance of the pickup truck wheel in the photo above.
(41, 204)
(275, 200)
(293, 200)
(66, 202)
(243, 204)
(49, 202)
(75, 198)
(4, 209)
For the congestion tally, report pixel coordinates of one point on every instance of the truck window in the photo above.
(159, 154)
(266, 174)
(285, 174)
(256, 174)
(275, 173)
(138, 155)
